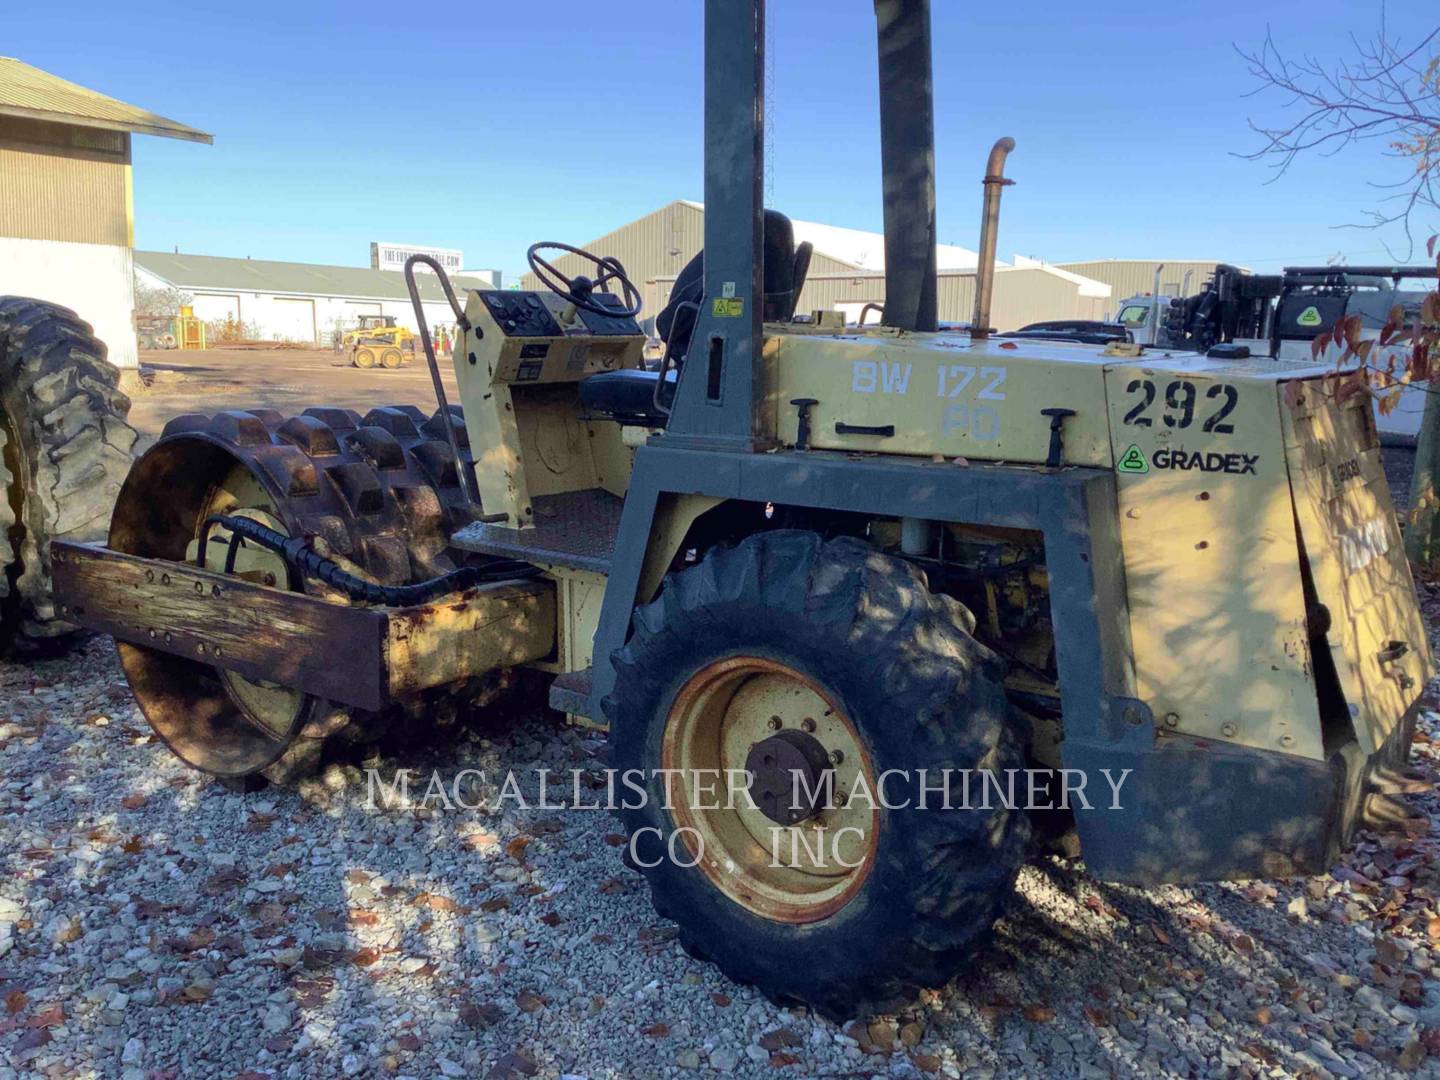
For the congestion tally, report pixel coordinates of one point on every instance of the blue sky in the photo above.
(489, 125)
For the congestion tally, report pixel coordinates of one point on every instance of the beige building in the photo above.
(1136, 277)
(66, 200)
(656, 247)
(1023, 295)
(847, 272)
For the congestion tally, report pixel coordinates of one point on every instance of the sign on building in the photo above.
(393, 256)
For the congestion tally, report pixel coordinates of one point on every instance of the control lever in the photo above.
(1057, 435)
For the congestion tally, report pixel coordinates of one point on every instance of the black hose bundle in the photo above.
(304, 561)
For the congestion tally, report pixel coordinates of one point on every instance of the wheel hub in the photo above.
(791, 778)
(798, 848)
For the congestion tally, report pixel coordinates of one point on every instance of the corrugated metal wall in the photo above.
(59, 182)
(655, 248)
(1133, 277)
(1022, 295)
(656, 245)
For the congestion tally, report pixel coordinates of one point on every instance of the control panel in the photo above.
(519, 366)
(529, 337)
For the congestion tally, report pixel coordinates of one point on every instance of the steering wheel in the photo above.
(580, 290)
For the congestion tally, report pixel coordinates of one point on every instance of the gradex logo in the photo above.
(1188, 461)
(1237, 464)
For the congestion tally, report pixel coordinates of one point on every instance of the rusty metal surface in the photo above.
(329, 650)
(481, 630)
(380, 491)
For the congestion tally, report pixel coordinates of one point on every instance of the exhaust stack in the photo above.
(907, 156)
(989, 231)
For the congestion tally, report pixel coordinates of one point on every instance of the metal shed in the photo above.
(66, 198)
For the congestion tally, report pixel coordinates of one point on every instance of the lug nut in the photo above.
(775, 723)
(807, 725)
(836, 757)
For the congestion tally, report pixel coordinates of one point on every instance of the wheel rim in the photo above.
(791, 874)
(391, 358)
(274, 710)
(211, 719)
(364, 358)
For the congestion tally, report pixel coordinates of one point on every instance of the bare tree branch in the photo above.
(1380, 89)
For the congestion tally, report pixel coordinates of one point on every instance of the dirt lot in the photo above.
(289, 380)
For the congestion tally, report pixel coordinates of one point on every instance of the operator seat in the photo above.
(628, 397)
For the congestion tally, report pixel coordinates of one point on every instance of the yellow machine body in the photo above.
(1251, 496)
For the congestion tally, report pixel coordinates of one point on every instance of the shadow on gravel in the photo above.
(163, 926)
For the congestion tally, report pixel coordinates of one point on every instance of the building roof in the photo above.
(212, 272)
(28, 92)
(1088, 286)
(866, 250)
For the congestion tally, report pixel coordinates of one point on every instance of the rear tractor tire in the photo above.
(64, 452)
(830, 657)
(391, 358)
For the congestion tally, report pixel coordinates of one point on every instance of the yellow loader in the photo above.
(377, 341)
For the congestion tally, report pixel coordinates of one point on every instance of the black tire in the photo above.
(67, 450)
(921, 692)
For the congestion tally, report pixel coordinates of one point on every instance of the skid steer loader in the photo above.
(843, 565)
(378, 340)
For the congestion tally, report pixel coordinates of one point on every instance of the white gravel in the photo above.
(153, 926)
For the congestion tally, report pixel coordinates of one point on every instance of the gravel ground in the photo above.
(153, 926)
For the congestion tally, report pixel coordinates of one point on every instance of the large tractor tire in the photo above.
(380, 495)
(64, 452)
(787, 653)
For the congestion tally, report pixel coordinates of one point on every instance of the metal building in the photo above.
(1023, 295)
(656, 247)
(298, 302)
(1136, 277)
(66, 198)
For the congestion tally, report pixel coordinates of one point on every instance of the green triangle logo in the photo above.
(1310, 316)
(1133, 461)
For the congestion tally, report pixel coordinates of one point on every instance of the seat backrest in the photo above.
(785, 270)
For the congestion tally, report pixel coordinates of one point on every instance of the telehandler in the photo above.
(825, 559)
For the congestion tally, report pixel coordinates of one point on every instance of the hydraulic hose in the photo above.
(306, 562)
